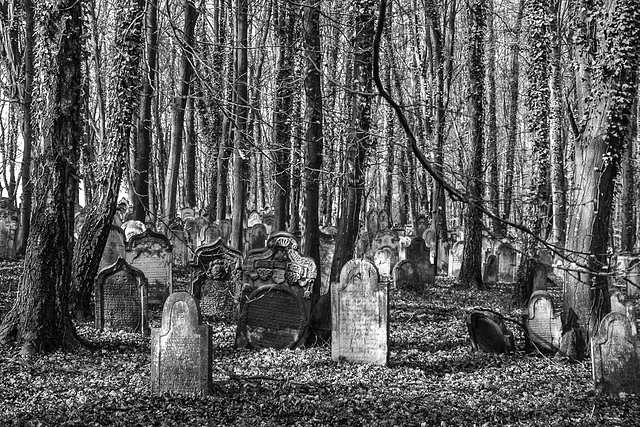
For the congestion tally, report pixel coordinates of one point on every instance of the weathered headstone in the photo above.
(490, 275)
(619, 304)
(422, 224)
(254, 218)
(455, 258)
(257, 237)
(193, 226)
(114, 248)
(186, 213)
(218, 283)
(209, 234)
(225, 230)
(269, 220)
(275, 302)
(181, 349)
(152, 254)
(543, 325)
(133, 227)
(507, 263)
(407, 277)
(383, 220)
(488, 333)
(360, 316)
(417, 249)
(8, 228)
(382, 259)
(615, 356)
(179, 241)
(327, 249)
(121, 298)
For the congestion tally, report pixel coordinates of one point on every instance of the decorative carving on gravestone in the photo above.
(422, 224)
(490, 274)
(407, 277)
(275, 302)
(507, 263)
(455, 258)
(615, 356)
(114, 248)
(225, 230)
(133, 227)
(219, 280)
(488, 333)
(8, 228)
(209, 234)
(359, 310)
(327, 249)
(389, 240)
(181, 349)
(543, 325)
(121, 298)
(330, 230)
(152, 254)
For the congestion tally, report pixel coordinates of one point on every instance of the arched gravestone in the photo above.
(186, 213)
(507, 263)
(360, 315)
(254, 218)
(209, 234)
(181, 349)
(180, 243)
(257, 237)
(114, 248)
(133, 227)
(455, 258)
(152, 253)
(389, 240)
(121, 298)
(488, 333)
(490, 274)
(225, 230)
(422, 224)
(383, 260)
(8, 228)
(219, 280)
(543, 325)
(192, 227)
(275, 301)
(407, 277)
(615, 356)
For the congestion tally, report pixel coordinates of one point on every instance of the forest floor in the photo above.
(433, 378)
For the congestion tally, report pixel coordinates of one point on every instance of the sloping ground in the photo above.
(433, 379)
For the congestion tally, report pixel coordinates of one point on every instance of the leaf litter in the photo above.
(433, 378)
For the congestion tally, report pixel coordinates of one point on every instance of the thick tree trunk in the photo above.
(40, 316)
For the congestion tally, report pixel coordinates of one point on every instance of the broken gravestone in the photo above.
(543, 325)
(181, 349)
(121, 298)
(359, 310)
(488, 333)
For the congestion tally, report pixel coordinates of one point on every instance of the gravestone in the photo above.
(407, 277)
(8, 228)
(422, 224)
(257, 237)
(615, 356)
(507, 263)
(619, 304)
(186, 213)
(417, 249)
(359, 310)
(488, 333)
(269, 220)
(152, 254)
(490, 275)
(275, 303)
(455, 258)
(132, 228)
(225, 230)
(383, 221)
(543, 325)
(629, 274)
(219, 279)
(327, 249)
(179, 242)
(192, 226)
(181, 349)
(254, 218)
(383, 259)
(209, 234)
(114, 248)
(120, 292)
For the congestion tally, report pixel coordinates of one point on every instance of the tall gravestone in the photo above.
(383, 260)
(180, 243)
(114, 248)
(544, 326)
(219, 279)
(225, 230)
(327, 249)
(269, 221)
(422, 224)
(121, 298)
(389, 240)
(507, 263)
(152, 254)
(360, 315)
(372, 222)
(419, 253)
(181, 349)
(615, 355)
(383, 220)
(275, 303)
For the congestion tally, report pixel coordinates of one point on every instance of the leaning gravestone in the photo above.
(219, 281)
(615, 356)
(359, 310)
(181, 349)
(114, 248)
(121, 298)
(543, 325)
(490, 275)
(152, 254)
(275, 303)
(407, 277)
(488, 333)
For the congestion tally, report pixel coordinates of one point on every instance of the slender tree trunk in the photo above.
(492, 127)
(190, 155)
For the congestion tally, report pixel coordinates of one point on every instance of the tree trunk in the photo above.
(40, 316)
(190, 155)
(492, 128)
(470, 270)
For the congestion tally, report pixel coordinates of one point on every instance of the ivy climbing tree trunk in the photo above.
(40, 319)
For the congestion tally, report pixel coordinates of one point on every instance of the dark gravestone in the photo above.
(417, 249)
(490, 275)
(114, 248)
(257, 237)
(152, 253)
(276, 298)
(181, 349)
(488, 333)
(225, 230)
(425, 270)
(219, 280)
(121, 298)
(422, 224)
(543, 325)
(407, 277)
(507, 263)
(209, 234)
(615, 356)
(383, 221)
(360, 321)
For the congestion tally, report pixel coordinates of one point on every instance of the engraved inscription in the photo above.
(121, 309)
